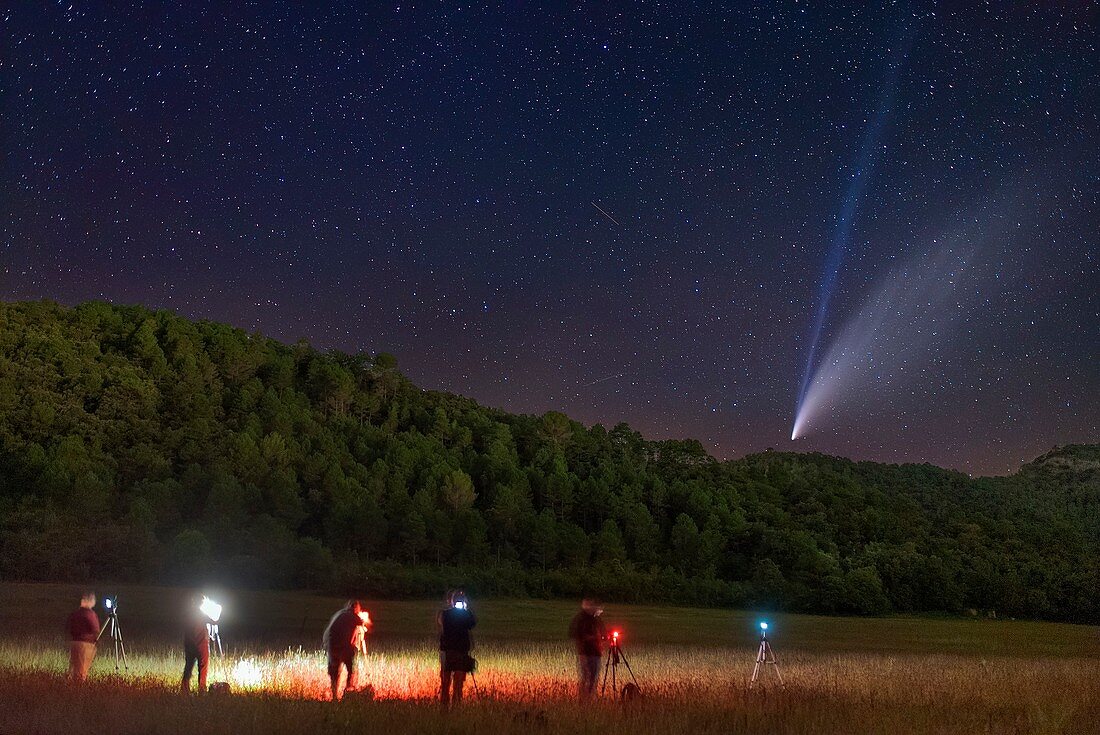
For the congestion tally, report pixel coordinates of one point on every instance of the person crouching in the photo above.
(344, 637)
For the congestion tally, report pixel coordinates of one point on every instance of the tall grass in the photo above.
(844, 676)
(529, 688)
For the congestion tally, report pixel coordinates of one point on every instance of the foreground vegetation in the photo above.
(523, 688)
(843, 675)
(138, 446)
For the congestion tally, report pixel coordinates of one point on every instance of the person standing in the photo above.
(196, 644)
(455, 621)
(588, 633)
(343, 638)
(83, 625)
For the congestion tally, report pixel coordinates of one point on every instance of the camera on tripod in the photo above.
(615, 658)
(213, 613)
(765, 657)
(113, 631)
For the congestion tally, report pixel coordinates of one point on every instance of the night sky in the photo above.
(428, 180)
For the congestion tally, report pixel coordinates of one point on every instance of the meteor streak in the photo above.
(609, 377)
(605, 214)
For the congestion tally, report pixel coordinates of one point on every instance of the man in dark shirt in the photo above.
(455, 621)
(196, 644)
(83, 625)
(588, 633)
(342, 640)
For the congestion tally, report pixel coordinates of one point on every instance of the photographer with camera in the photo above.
(454, 621)
(588, 633)
(196, 643)
(83, 625)
(343, 638)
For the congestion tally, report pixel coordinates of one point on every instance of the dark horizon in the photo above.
(619, 217)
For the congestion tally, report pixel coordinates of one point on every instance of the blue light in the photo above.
(763, 625)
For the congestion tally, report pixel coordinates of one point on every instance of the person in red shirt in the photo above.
(196, 644)
(83, 625)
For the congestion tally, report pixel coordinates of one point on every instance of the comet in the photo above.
(882, 344)
(909, 319)
(857, 186)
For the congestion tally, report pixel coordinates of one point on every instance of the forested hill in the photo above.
(139, 446)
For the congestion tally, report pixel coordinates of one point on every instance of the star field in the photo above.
(428, 180)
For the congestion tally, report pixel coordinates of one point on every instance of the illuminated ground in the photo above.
(843, 675)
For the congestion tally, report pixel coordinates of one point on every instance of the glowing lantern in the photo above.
(210, 608)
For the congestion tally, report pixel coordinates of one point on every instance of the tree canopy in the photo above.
(136, 445)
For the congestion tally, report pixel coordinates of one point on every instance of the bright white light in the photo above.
(210, 608)
(763, 626)
(247, 674)
(460, 605)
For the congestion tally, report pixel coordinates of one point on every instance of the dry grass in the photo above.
(528, 688)
(844, 676)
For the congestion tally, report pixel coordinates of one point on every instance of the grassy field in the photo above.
(843, 675)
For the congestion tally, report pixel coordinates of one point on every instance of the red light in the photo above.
(364, 616)
(615, 634)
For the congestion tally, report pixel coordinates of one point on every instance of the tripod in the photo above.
(215, 638)
(216, 646)
(111, 624)
(360, 660)
(765, 656)
(615, 656)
